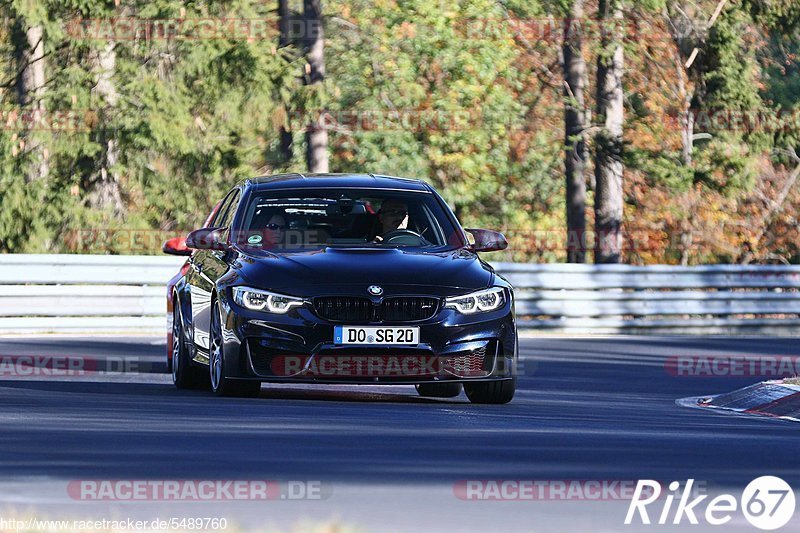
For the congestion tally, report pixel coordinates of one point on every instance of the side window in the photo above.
(230, 210)
(223, 210)
(220, 212)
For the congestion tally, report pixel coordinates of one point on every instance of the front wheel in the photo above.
(492, 392)
(222, 385)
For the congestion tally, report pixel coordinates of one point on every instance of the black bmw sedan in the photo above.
(343, 279)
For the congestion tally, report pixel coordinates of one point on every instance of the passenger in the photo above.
(275, 232)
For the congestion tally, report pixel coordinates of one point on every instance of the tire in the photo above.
(493, 392)
(439, 390)
(184, 374)
(221, 385)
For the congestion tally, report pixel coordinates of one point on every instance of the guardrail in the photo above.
(84, 293)
(659, 299)
(92, 293)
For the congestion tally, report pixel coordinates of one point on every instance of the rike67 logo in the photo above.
(767, 503)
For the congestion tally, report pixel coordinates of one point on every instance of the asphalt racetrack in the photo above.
(586, 409)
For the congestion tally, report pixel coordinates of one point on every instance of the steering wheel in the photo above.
(403, 236)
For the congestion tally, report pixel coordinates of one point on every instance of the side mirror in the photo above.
(207, 239)
(176, 246)
(488, 240)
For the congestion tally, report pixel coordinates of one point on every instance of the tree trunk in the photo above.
(317, 135)
(284, 27)
(31, 92)
(685, 43)
(608, 154)
(686, 115)
(575, 138)
(105, 193)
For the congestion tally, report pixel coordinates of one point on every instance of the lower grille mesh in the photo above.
(467, 364)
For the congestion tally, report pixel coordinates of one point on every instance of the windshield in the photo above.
(311, 219)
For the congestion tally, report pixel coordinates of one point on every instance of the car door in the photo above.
(203, 274)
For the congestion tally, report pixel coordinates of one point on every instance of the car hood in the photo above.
(331, 270)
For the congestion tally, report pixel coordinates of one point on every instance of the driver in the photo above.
(391, 216)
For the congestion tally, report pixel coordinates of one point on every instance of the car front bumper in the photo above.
(298, 347)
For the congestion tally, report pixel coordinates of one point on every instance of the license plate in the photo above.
(375, 336)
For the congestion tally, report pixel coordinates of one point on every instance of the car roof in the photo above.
(353, 181)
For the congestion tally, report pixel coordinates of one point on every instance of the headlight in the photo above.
(486, 300)
(259, 300)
